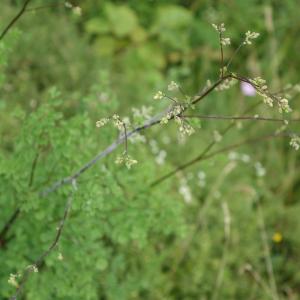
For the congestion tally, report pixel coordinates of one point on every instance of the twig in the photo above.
(17, 211)
(45, 6)
(7, 226)
(14, 20)
(250, 118)
(204, 152)
(38, 262)
(203, 155)
(234, 54)
(154, 121)
(125, 138)
(33, 167)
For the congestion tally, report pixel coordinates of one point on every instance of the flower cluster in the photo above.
(249, 36)
(226, 84)
(235, 156)
(116, 121)
(262, 89)
(185, 191)
(33, 268)
(295, 142)
(283, 104)
(184, 127)
(76, 9)
(159, 95)
(201, 178)
(13, 280)
(175, 111)
(260, 170)
(60, 256)
(217, 136)
(144, 113)
(225, 41)
(173, 86)
(220, 28)
(125, 159)
(102, 122)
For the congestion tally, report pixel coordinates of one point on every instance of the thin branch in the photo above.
(206, 149)
(7, 226)
(125, 138)
(202, 156)
(14, 20)
(154, 121)
(32, 9)
(234, 54)
(33, 167)
(38, 262)
(16, 213)
(250, 118)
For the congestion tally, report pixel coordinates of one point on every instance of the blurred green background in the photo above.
(227, 228)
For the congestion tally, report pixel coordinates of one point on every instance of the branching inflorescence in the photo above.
(178, 106)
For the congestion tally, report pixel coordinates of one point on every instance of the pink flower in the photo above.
(247, 89)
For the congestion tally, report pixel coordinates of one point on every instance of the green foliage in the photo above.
(123, 238)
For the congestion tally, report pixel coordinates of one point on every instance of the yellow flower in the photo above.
(277, 237)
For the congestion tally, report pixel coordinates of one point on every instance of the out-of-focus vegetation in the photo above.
(225, 228)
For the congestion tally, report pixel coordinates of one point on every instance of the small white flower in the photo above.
(202, 178)
(226, 84)
(68, 4)
(178, 109)
(295, 142)
(102, 122)
(185, 192)
(77, 10)
(164, 120)
(186, 129)
(160, 158)
(159, 95)
(173, 86)
(217, 136)
(220, 28)
(233, 155)
(137, 138)
(118, 122)
(225, 41)
(154, 146)
(249, 36)
(284, 105)
(268, 100)
(13, 280)
(260, 170)
(125, 159)
(245, 158)
(144, 112)
(60, 256)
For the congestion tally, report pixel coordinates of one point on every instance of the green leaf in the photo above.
(97, 26)
(122, 19)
